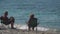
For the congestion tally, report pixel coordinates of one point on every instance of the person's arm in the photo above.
(28, 21)
(12, 19)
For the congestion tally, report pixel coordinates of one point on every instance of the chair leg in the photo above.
(33, 28)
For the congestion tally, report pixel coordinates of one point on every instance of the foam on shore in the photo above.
(25, 27)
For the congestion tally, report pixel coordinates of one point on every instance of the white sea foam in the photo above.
(25, 27)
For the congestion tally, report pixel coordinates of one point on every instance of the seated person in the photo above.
(32, 23)
(4, 19)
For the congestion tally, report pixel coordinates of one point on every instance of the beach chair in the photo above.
(33, 23)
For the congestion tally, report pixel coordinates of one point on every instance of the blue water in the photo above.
(47, 11)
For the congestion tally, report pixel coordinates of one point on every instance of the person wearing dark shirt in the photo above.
(5, 20)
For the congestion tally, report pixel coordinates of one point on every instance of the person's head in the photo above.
(32, 16)
(6, 13)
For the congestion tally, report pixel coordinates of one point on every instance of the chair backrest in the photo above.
(34, 22)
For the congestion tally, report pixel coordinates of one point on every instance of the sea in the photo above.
(46, 11)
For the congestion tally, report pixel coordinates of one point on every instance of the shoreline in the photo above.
(23, 30)
(25, 27)
(20, 31)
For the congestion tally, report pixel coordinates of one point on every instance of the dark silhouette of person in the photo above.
(5, 20)
(32, 23)
(12, 20)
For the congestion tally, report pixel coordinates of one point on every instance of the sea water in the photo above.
(46, 11)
